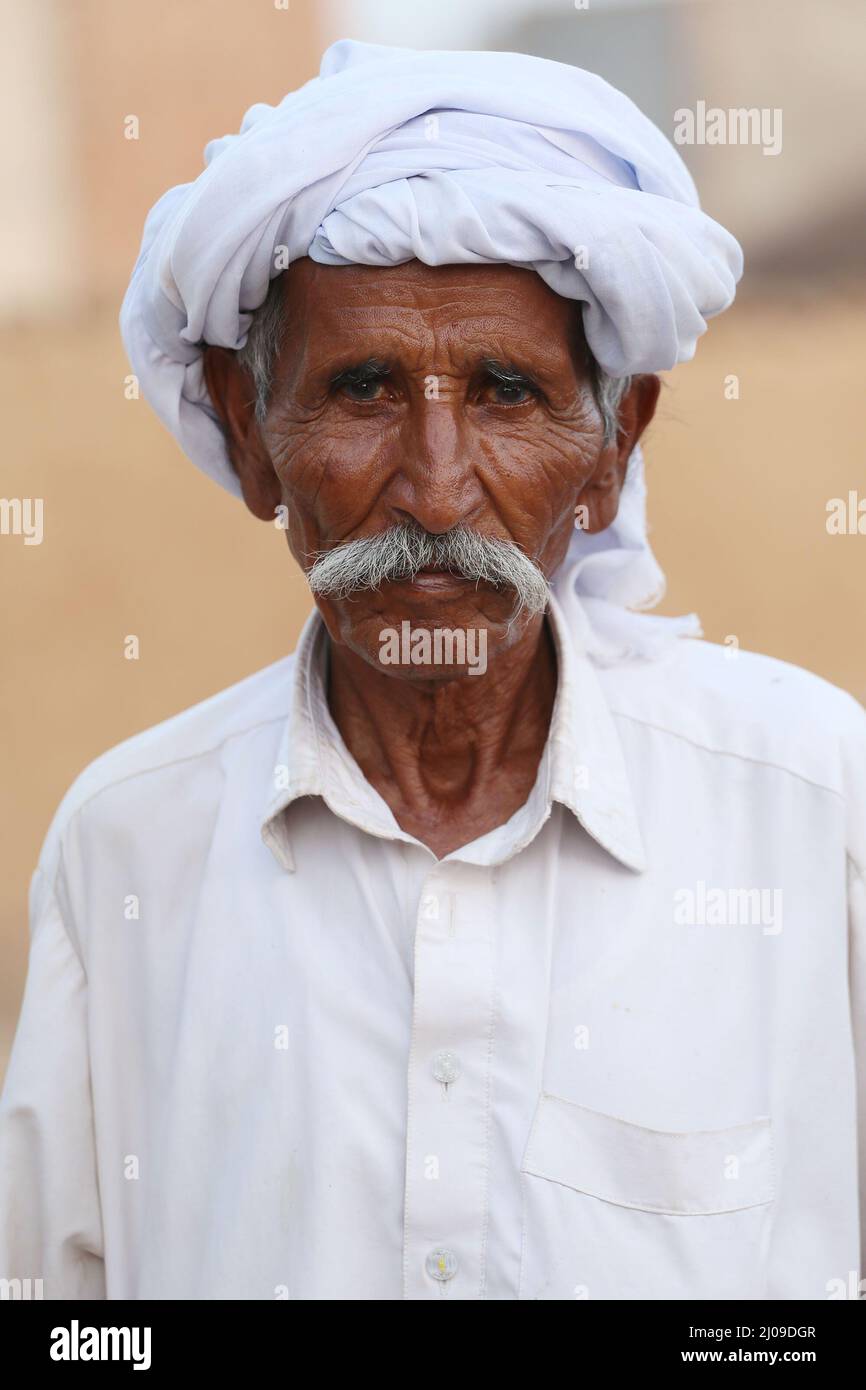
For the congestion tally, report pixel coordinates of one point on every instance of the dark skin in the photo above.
(385, 410)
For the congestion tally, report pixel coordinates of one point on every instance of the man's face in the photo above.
(436, 398)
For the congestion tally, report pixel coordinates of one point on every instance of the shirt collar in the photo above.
(582, 766)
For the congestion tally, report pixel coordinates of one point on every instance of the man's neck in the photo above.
(452, 759)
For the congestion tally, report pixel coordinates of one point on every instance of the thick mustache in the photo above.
(401, 552)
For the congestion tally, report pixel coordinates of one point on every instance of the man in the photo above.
(504, 942)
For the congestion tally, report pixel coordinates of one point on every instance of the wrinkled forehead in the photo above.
(486, 306)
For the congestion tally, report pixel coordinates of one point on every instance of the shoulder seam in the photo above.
(159, 766)
(727, 752)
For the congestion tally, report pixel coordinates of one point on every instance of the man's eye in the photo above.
(362, 390)
(508, 392)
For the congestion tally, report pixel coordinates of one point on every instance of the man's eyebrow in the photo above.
(370, 370)
(375, 368)
(507, 372)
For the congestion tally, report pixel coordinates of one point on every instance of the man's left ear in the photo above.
(232, 393)
(600, 494)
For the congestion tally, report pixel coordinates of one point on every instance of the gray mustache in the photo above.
(401, 551)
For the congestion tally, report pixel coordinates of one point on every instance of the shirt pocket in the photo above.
(614, 1210)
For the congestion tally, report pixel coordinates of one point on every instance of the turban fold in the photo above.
(392, 154)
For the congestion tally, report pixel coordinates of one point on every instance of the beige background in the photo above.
(137, 542)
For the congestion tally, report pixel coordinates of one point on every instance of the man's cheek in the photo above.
(556, 549)
(534, 490)
(301, 462)
(328, 494)
(299, 459)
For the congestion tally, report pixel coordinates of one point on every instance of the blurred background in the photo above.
(136, 542)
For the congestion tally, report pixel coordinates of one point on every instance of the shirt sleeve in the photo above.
(50, 1220)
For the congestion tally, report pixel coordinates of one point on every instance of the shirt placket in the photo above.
(449, 1082)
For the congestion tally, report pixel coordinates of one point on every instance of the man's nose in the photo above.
(436, 482)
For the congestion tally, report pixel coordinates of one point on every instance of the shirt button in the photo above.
(430, 907)
(446, 1067)
(441, 1265)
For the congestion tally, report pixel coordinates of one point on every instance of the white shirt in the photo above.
(272, 1047)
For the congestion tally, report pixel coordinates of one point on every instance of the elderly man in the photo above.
(504, 942)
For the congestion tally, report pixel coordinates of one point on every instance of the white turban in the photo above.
(392, 154)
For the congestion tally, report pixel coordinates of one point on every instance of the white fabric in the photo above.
(222, 1081)
(392, 154)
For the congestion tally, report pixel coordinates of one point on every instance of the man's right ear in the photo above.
(232, 394)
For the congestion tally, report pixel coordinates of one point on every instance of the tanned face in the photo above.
(389, 407)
